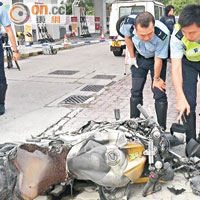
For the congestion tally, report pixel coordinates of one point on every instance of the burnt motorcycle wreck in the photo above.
(112, 155)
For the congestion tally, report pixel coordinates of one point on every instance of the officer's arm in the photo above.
(177, 77)
(9, 31)
(157, 67)
(158, 82)
(11, 36)
(177, 80)
(130, 46)
(161, 52)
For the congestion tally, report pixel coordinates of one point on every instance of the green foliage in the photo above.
(180, 4)
(163, 1)
(89, 6)
(69, 9)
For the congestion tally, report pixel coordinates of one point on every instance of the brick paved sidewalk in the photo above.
(117, 97)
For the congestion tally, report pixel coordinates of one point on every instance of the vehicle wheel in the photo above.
(119, 24)
(108, 193)
(118, 53)
(105, 193)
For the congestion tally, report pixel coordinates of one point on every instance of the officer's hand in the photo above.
(160, 84)
(182, 106)
(132, 61)
(16, 56)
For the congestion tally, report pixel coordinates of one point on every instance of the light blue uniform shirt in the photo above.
(4, 18)
(156, 47)
(176, 46)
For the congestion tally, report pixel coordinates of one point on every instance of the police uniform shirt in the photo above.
(177, 46)
(4, 18)
(157, 46)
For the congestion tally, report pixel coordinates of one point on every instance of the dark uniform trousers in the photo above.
(139, 76)
(190, 73)
(2, 71)
(3, 84)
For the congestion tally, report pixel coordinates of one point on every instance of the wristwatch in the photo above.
(156, 79)
(17, 51)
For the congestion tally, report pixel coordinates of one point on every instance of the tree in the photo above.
(163, 1)
(180, 4)
(69, 9)
(87, 4)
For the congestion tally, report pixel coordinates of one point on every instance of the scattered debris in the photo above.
(176, 191)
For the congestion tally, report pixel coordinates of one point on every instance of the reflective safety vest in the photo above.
(191, 49)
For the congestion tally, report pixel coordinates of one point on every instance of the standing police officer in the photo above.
(169, 18)
(185, 56)
(5, 22)
(147, 41)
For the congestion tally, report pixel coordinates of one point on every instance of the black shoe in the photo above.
(2, 109)
(3, 88)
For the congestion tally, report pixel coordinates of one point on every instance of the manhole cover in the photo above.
(104, 77)
(64, 72)
(93, 88)
(76, 99)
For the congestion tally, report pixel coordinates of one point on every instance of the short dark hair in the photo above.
(190, 15)
(167, 9)
(144, 19)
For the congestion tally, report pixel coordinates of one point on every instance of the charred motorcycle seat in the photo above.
(38, 169)
(193, 148)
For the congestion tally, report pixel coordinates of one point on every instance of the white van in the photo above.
(121, 9)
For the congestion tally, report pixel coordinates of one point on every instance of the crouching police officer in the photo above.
(4, 21)
(185, 56)
(147, 41)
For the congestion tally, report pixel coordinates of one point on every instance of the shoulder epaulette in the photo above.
(131, 31)
(179, 34)
(129, 20)
(162, 35)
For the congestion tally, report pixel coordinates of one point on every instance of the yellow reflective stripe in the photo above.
(192, 51)
(177, 27)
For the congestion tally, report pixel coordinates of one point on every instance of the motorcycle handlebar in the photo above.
(152, 185)
(143, 111)
(149, 119)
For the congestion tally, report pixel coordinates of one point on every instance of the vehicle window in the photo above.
(176, 18)
(130, 10)
(156, 12)
(161, 12)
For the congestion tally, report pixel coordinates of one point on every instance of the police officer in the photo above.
(147, 41)
(169, 18)
(185, 56)
(5, 22)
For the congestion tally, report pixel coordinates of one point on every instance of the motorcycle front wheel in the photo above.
(107, 193)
